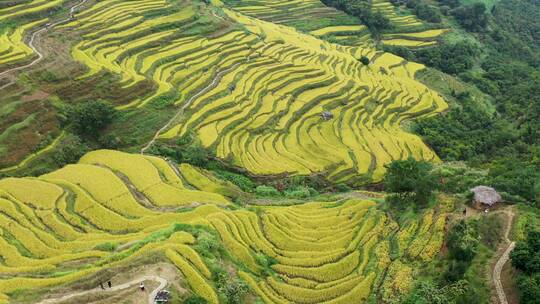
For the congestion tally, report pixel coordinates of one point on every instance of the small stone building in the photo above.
(485, 197)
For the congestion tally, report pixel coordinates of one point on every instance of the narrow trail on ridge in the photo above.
(162, 284)
(33, 39)
(210, 86)
(503, 259)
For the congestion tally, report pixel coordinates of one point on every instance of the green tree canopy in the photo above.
(88, 119)
(410, 181)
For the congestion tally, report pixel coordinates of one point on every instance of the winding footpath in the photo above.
(503, 259)
(209, 87)
(162, 284)
(33, 39)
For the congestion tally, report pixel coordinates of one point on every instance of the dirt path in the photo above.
(210, 86)
(162, 284)
(503, 259)
(33, 39)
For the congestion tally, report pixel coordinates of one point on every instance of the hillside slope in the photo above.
(323, 252)
(253, 92)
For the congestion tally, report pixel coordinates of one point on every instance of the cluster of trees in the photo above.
(375, 21)
(449, 57)
(424, 11)
(507, 143)
(86, 123)
(462, 241)
(411, 183)
(526, 258)
(471, 17)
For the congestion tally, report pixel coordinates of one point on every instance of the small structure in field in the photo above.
(327, 115)
(485, 197)
(162, 297)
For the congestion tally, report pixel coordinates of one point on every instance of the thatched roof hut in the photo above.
(486, 195)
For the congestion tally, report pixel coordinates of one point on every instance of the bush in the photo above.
(267, 191)
(410, 181)
(463, 241)
(471, 17)
(107, 246)
(89, 118)
(195, 299)
(526, 254)
(71, 149)
(364, 60)
(529, 289)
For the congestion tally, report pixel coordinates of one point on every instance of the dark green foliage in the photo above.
(529, 288)
(526, 254)
(300, 192)
(449, 3)
(526, 258)
(88, 119)
(517, 178)
(410, 181)
(463, 241)
(452, 58)
(375, 21)
(188, 149)
(268, 191)
(107, 246)
(508, 141)
(490, 230)
(424, 11)
(233, 289)
(465, 120)
(242, 181)
(471, 17)
(364, 60)
(71, 149)
(428, 292)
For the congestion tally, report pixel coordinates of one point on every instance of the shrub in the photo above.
(90, 118)
(107, 246)
(70, 151)
(410, 181)
(463, 241)
(194, 299)
(267, 191)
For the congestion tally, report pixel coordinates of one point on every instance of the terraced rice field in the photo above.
(325, 252)
(408, 30)
(13, 48)
(20, 8)
(253, 87)
(415, 39)
(256, 95)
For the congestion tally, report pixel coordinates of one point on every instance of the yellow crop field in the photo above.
(338, 29)
(255, 102)
(324, 252)
(12, 45)
(405, 42)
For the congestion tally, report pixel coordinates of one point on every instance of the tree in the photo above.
(471, 17)
(463, 241)
(90, 118)
(526, 254)
(410, 181)
(529, 289)
(427, 292)
(194, 299)
(70, 150)
(364, 60)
